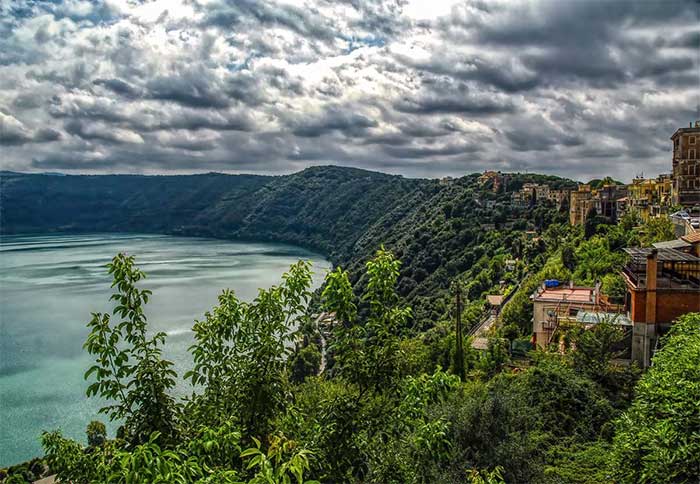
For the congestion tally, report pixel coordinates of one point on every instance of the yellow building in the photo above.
(650, 197)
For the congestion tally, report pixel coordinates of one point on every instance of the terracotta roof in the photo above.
(494, 300)
(693, 238)
(571, 294)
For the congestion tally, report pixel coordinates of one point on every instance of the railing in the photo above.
(633, 275)
(666, 278)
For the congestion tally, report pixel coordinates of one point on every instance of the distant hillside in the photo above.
(438, 229)
(324, 208)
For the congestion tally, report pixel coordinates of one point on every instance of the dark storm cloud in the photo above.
(14, 133)
(26, 101)
(87, 132)
(47, 134)
(118, 86)
(687, 40)
(10, 137)
(334, 118)
(429, 151)
(569, 40)
(190, 88)
(379, 16)
(454, 97)
(192, 144)
(538, 134)
(236, 13)
(577, 88)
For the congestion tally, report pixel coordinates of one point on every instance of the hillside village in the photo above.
(661, 282)
(676, 194)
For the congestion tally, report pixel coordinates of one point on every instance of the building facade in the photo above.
(650, 197)
(686, 166)
(560, 305)
(662, 284)
(580, 204)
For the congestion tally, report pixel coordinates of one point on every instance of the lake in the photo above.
(49, 285)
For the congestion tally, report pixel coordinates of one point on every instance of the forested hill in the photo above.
(439, 229)
(325, 208)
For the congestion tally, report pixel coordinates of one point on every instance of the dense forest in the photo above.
(437, 229)
(374, 395)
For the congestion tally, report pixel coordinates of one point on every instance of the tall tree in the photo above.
(129, 369)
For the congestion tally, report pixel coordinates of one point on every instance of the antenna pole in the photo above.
(459, 363)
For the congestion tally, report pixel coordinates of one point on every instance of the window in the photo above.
(691, 154)
(691, 140)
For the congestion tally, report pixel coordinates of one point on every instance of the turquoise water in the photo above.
(49, 285)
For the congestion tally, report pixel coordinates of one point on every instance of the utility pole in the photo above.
(459, 363)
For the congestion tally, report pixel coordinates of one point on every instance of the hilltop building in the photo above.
(650, 197)
(580, 204)
(605, 201)
(559, 197)
(686, 165)
(499, 180)
(533, 193)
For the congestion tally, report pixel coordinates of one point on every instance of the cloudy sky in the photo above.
(417, 87)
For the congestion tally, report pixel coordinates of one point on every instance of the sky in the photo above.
(422, 88)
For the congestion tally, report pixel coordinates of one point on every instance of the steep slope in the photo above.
(440, 230)
(325, 208)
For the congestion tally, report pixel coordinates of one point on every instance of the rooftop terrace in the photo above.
(564, 293)
(676, 269)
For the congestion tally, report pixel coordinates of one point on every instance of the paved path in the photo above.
(46, 480)
(480, 341)
(323, 324)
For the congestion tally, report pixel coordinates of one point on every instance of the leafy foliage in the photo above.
(383, 410)
(240, 353)
(657, 229)
(96, 433)
(658, 438)
(129, 369)
(367, 353)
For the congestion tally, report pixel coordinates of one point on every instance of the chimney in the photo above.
(596, 293)
(652, 270)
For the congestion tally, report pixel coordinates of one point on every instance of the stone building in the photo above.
(580, 204)
(559, 197)
(605, 200)
(686, 166)
(498, 180)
